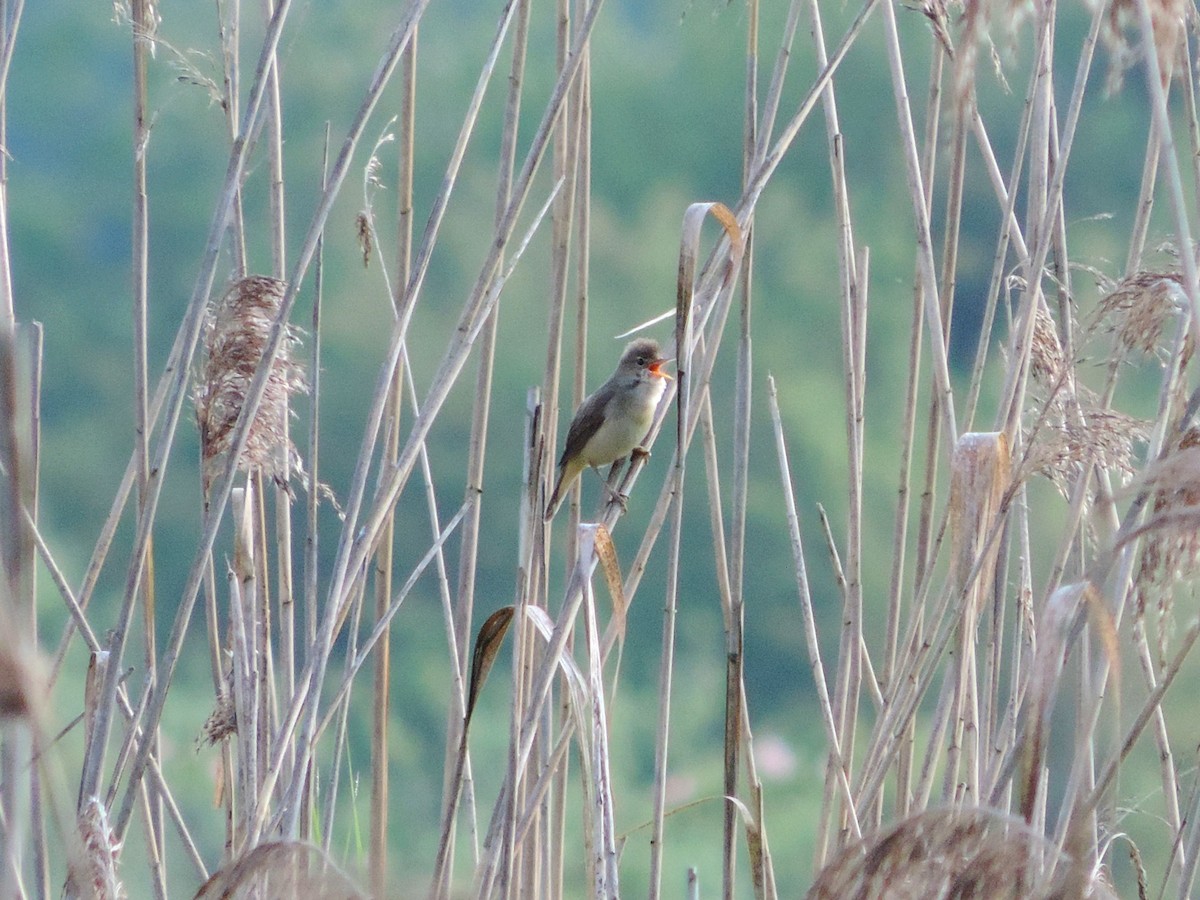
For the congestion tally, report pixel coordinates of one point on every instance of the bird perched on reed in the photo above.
(611, 423)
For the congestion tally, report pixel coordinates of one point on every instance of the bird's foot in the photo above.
(638, 453)
(615, 496)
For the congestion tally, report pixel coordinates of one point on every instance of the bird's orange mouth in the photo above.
(656, 368)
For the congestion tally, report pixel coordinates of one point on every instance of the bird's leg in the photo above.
(615, 495)
(639, 453)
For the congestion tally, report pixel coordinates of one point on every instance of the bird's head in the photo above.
(644, 358)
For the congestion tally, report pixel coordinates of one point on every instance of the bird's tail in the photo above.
(556, 496)
(567, 473)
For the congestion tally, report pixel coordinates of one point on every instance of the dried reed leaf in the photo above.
(962, 853)
(755, 850)
(487, 644)
(607, 552)
(979, 474)
(689, 251)
(576, 683)
(280, 870)
(236, 335)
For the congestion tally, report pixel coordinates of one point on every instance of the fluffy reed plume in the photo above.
(221, 722)
(280, 871)
(96, 876)
(1045, 353)
(235, 336)
(962, 853)
(979, 19)
(1137, 311)
(1072, 435)
(1172, 550)
(1167, 18)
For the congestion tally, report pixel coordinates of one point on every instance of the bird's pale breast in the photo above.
(626, 422)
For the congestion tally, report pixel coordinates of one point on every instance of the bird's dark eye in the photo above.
(641, 360)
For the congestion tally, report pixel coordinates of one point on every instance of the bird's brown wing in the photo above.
(586, 423)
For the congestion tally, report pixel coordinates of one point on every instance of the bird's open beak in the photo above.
(656, 368)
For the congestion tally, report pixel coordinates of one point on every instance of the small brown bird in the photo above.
(611, 423)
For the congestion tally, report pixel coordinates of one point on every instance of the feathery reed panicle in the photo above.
(970, 853)
(96, 875)
(1168, 18)
(1138, 309)
(1171, 553)
(235, 335)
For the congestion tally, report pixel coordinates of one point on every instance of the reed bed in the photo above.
(976, 715)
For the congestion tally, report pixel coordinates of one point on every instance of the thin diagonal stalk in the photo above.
(255, 391)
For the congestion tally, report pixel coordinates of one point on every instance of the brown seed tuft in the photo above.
(979, 19)
(1071, 436)
(221, 722)
(1046, 353)
(363, 231)
(236, 335)
(1138, 310)
(1167, 18)
(96, 875)
(1172, 547)
(963, 853)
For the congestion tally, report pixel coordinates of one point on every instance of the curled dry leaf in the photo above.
(487, 645)
(607, 552)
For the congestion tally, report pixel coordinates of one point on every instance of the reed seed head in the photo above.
(962, 853)
(1172, 544)
(97, 876)
(1167, 18)
(236, 335)
(1138, 310)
